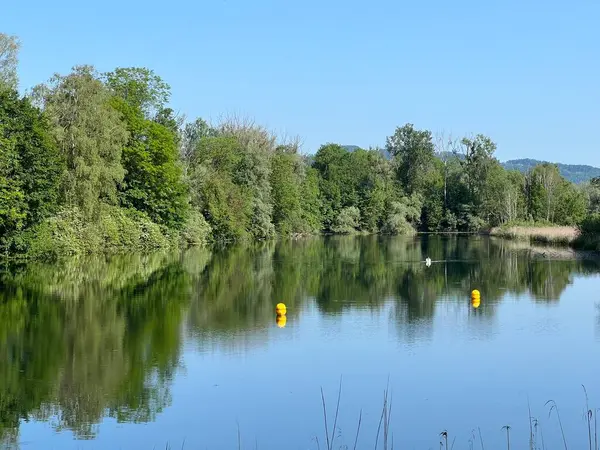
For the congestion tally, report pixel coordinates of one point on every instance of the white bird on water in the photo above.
(428, 262)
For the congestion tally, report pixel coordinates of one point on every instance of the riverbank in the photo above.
(554, 235)
(584, 238)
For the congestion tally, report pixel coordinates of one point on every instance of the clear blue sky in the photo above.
(526, 73)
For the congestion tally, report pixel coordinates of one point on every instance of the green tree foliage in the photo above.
(364, 181)
(310, 200)
(478, 164)
(287, 173)
(414, 155)
(31, 165)
(141, 88)
(190, 137)
(257, 146)
(543, 186)
(331, 164)
(153, 181)
(216, 192)
(592, 190)
(90, 134)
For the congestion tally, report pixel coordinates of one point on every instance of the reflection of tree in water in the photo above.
(83, 346)
(94, 338)
(232, 298)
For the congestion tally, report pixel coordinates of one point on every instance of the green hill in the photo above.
(575, 173)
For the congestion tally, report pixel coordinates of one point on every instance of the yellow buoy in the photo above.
(281, 321)
(475, 298)
(281, 309)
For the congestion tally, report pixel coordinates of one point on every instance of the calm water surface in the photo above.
(137, 352)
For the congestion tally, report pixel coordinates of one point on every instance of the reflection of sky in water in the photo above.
(450, 367)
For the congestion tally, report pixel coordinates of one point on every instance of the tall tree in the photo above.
(286, 183)
(154, 176)
(257, 145)
(225, 203)
(90, 133)
(544, 182)
(414, 153)
(334, 181)
(153, 181)
(31, 166)
(478, 162)
(9, 50)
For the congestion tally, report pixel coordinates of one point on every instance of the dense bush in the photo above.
(115, 229)
(347, 221)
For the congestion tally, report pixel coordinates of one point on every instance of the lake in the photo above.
(173, 350)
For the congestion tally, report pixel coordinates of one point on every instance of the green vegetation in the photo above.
(98, 162)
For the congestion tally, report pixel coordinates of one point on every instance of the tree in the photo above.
(499, 197)
(226, 204)
(90, 135)
(257, 145)
(593, 192)
(286, 184)
(153, 182)
(9, 50)
(478, 161)
(141, 88)
(543, 184)
(31, 166)
(12, 197)
(414, 153)
(191, 135)
(334, 181)
(310, 200)
(571, 204)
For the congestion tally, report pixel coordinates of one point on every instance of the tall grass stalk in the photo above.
(481, 439)
(358, 429)
(337, 410)
(507, 428)
(531, 444)
(589, 414)
(554, 406)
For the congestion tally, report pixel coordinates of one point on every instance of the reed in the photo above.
(553, 235)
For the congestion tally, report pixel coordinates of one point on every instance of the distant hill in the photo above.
(573, 172)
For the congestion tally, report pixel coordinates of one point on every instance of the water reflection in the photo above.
(95, 338)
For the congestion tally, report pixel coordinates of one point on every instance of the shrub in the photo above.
(347, 221)
(397, 220)
(196, 230)
(591, 224)
(113, 230)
